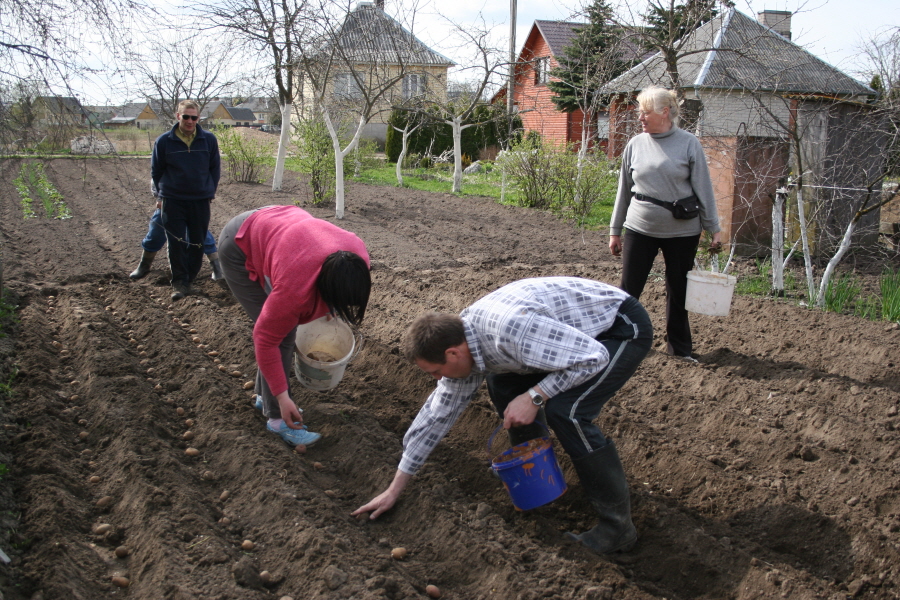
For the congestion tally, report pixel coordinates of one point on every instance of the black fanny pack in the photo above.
(685, 208)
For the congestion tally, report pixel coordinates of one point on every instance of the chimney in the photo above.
(379, 4)
(777, 20)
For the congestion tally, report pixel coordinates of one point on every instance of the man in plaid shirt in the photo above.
(563, 344)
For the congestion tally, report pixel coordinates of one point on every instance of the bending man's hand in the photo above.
(386, 499)
(521, 411)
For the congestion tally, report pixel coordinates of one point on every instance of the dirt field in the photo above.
(768, 470)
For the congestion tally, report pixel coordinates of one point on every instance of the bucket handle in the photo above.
(497, 430)
(359, 343)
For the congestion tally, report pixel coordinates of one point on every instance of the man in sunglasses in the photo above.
(185, 168)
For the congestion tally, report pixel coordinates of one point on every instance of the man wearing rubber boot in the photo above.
(185, 167)
(156, 239)
(563, 344)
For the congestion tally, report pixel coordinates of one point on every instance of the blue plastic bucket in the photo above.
(529, 473)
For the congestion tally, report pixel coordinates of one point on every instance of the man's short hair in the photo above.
(430, 335)
(186, 104)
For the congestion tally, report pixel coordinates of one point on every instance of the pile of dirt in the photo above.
(767, 470)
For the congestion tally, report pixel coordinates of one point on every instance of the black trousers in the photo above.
(185, 220)
(638, 253)
(571, 414)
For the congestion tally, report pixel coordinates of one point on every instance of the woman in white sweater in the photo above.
(659, 166)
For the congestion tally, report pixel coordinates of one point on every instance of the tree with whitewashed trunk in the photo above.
(410, 125)
(354, 70)
(277, 30)
(828, 213)
(463, 99)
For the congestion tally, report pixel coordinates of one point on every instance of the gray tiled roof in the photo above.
(369, 32)
(241, 114)
(734, 51)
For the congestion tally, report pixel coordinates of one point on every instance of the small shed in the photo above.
(747, 89)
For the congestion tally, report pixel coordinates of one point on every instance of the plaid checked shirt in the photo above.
(545, 324)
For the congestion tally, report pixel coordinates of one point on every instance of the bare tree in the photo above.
(477, 75)
(189, 67)
(353, 71)
(274, 29)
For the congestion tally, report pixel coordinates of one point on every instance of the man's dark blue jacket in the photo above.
(182, 173)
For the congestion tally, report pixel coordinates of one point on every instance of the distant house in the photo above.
(142, 115)
(543, 48)
(368, 30)
(745, 85)
(543, 51)
(218, 113)
(263, 109)
(59, 111)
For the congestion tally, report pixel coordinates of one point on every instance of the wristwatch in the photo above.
(536, 398)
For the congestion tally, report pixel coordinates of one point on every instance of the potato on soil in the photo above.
(104, 502)
(249, 385)
(398, 553)
(121, 582)
(95, 479)
(101, 528)
(318, 466)
(224, 495)
(192, 452)
(179, 411)
(300, 449)
(432, 591)
(247, 545)
(122, 551)
(187, 435)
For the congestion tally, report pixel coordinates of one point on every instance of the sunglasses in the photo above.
(190, 117)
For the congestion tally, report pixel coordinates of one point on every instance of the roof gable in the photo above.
(733, 51)
(558, 34)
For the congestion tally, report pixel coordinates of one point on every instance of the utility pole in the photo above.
(511, 86)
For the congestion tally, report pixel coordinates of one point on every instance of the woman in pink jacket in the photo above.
(286, 268)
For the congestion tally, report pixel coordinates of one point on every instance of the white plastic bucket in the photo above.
(709, 293)
(323, 338)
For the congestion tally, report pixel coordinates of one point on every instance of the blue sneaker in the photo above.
(294, 437)
(258, 403)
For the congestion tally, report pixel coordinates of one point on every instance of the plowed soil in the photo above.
(768, 470)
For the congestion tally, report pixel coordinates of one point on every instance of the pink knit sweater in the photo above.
(285, 248)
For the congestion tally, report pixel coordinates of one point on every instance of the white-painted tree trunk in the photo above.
(778, 241)
(339, 159)
(829, 270)
(807, 253)
(283, 141)
(404, 148)
(456, 124)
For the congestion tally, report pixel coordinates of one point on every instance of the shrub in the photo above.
(890, 295)
(244, 157)
(316, 158)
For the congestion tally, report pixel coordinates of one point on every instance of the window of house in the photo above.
(413, 85)
(541, 70)
(345, 86)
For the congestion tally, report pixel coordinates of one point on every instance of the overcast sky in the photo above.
(830, 29)
(833, 30)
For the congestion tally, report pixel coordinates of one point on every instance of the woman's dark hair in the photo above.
(344, 284)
